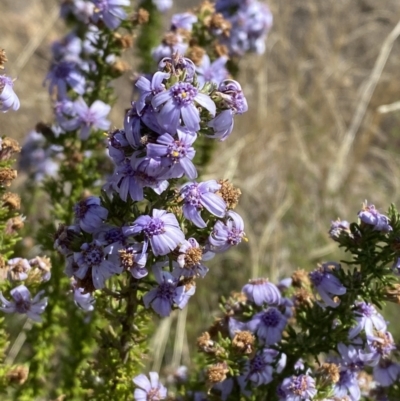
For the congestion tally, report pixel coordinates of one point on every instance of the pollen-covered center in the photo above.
(177, 150)
(155, 227)
(192, 196)
(93, 255)
(183, 93)
(271, 317)
(193, 257)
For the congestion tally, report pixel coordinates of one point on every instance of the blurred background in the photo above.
(322, 134)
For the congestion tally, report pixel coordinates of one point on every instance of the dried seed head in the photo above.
(329, 373)
(196, 53)
(3, 58)
(229, 193)
(243, 341)
(12, 201)
(7, 175)
(141, 17)
(14, 224)
(392, 294)
(123, 41)
(17, 375)
(220, 50)
(120, 66)
(217, 373)
(8, 147)
(219, 23)
(300, 279)
(303, 297)
(205, 344)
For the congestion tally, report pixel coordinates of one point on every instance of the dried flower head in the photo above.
(8, 147)
(229, 193)
(205, 344)
(300, 279)
(329, 373)
(220, 24)
(217, 373)
(17, 375)
(302, 297)
(392, 294)
(12, 201)
(141, 17)
(14, 224)
(196, 53)
(7, 175)
(3, 58)
(243, 341)
(123, 41)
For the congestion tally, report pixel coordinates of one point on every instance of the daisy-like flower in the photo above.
(326, 284)
(298, 388)
(259, 370)
(110, 12)
(63, 74)
(137, 173)
(176, 154)
(167, 293)
(23, 303)
(18, 269)
(88, 117)
(190, 258)
(162, 231)
(268, 325)
(149, 390)
(214, 72)
(261, 291)
(386, 372)
(179, 102)
(369, 215)
(228, 234)
(347, 385)
(8, 98)
(89, 214)
(367, 319)
(148, 89)
(199, 196)
(92, 260)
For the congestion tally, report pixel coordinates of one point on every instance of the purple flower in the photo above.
(183, 21)
(367, 319)
(214, 72)
(110, 12)
(261, 291)
(369, 215)
(327, 284)
(190, 258)
(132, 258)
(23, 303)
(259, 370)
(148, 89)
(338, 227)
(179, 102)
(222, 125)
(137, 173)
(84, 300)
(386, 372)
(381, 344)
(166, 294)
(63, 74)
(176, 154)
(354, 358)
(268, 325)
(224, 236)
(162, 5)
(162, 231)
(149, 390)
(92, 260)
(89, 214)
(347, 385)
(8, 98)
(89, 117)
(196, 197)
(297, 388)
(232, 96)
(178, 46)
(18, 269)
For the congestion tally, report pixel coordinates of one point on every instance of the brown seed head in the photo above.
(220, 50)
(123, 41)
(8, 147)
(243, 341)
(141, 17)
(12, 201)
(220, 24)
(170, 39)
(229, 193)
(217, 373)
(3, 58)
(7, 175)
(196, 53)
(120, 66)
(205, 344)
(17, 375)
(365, 381)
(302, 297)
(206, 7)
(300, 279)
(13, 225)
(392, 294)
(329, 373)
(193, 257)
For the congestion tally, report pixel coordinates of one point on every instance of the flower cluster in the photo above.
(184, 225)
(313, 336)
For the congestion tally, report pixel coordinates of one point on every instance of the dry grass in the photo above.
(312, 147)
